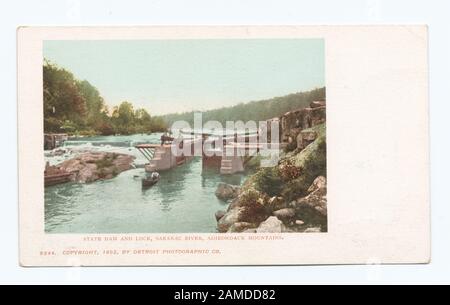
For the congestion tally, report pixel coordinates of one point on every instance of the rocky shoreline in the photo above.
(252, 212)
(290, 197)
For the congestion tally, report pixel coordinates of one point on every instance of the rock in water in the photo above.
(231, 217)
(226, 191)
(247, 208)
(271, 225)
(234, 204)
(92, 166)
(219, 215)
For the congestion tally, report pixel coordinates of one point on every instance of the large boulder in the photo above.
(252, 214)
(276, 203)
(123, 162)
(87, 173)
(234, 204)
(318, 115)
(227, 191)
(230, 218)
(238, 227)
(92, 166)
(286, 215)
(270, 225)
(219, 214)
(247, 208)
(312, 209)
(318, 183)
(305, 138)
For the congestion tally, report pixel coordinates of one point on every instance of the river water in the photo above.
(183, 201)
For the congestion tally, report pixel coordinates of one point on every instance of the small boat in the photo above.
(149, 181)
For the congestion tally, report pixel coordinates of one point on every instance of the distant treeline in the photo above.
(76, 107)
(256, 111)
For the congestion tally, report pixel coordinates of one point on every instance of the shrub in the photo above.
(253, 206)
(313, 165)
(106, 162)
(296, 188)
(268, 180)
(52, 124)
(288, 171)
(251, 197)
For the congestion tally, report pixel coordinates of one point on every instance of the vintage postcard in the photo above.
(223, 145)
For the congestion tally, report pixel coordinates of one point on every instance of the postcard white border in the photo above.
(378, 153)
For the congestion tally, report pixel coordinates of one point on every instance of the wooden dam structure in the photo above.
(229, 157)
(238, 147)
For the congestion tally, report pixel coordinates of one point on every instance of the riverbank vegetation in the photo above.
(76, 107)
(289, 197)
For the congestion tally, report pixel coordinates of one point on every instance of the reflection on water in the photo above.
(209, 178)
(183, 201)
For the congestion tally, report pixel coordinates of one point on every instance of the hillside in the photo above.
(255, 110)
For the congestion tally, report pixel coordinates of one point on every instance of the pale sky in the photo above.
(167, 76)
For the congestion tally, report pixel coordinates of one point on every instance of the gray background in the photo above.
(230, 12)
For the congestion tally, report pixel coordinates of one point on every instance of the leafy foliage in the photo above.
(253, 205)
(295, 173)
(251, 197)
(313, 163)
(106, 162)
(289, 171)
(268, 181)
(76, 107)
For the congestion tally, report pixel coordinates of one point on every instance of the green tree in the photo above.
(94, 104)
(123, 118)
(63, 102)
